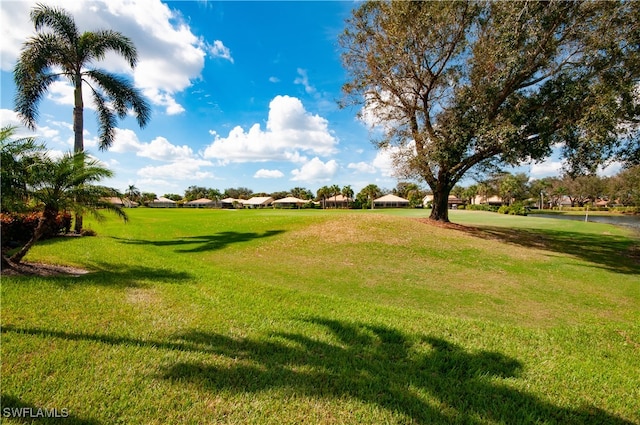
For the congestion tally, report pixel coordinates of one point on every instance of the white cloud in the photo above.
(161, 150)
(610, 170)
(125, 140)
(274, 79)
(219, 50)
(43, 133)
(180, 162)
(316, 171)
(383, 161)
(186, 169)
(61, 92)
(362, 167)
(290, 132)
(170, 55)
(546, 169)
(9, 118)
(303, 79)
(268, 174)
(377, 112)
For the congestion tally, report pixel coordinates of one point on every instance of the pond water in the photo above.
(618, 220)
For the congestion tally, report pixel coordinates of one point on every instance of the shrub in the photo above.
(88, 232)
(19, 228)
(482, 207)
(516, 209)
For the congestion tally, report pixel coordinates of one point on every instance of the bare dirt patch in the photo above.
(447, 225)
(42, 270)
(142, 296)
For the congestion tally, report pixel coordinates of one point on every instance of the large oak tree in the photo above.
(458, 85)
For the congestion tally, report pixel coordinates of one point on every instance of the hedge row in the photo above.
(18, 228)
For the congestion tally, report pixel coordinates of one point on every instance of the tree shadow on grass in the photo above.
(425, 379)
(21, 412)
(205, 242)
(609, 252)
(115, 275)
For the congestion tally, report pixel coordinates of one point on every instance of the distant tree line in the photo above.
(622, 189)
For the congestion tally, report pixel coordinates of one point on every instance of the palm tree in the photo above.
(347, 192)
(17, 157)
(63, 52)
(66, 184)
(334, 191)
(322, 193)
(133, 193)
(370, 192)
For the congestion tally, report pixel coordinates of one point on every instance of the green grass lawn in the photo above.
(333, 317)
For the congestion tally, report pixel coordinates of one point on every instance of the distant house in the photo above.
(231, 203)
(453, 202)
(488, 200)
(162, 202)
(289, 202)
(121, 202)
(258, 202)
(201, 203)
(390, 201)
(337, 201)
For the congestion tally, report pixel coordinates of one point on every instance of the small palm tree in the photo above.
(66, 184)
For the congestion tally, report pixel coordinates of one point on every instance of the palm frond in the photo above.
(17, 156)
(123, 95)
(28, 94)
(57, 19)
(106, 120)
(33, 76)
(94, 199)
(43, 51)
(96, 44)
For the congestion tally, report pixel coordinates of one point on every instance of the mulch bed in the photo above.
(43, 270)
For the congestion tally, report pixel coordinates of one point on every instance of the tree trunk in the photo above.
(78, 224)
(78, 131)
(6, 263)
(37, 233)
(78, 116)
(440, 207)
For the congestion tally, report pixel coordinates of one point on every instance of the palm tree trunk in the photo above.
(78, 130)
(6, 263)
(78, 116)
(37, 233)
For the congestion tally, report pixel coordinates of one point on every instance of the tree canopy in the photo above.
(462, 85)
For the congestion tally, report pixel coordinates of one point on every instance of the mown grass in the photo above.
(201, 316)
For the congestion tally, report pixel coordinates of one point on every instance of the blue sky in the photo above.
(243, 94)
